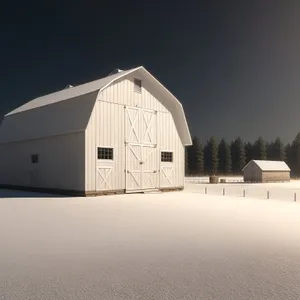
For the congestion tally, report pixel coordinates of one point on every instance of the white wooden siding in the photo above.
(122, 92)
(60, 166)
(105, 129)
(171, 173)
(108, 128)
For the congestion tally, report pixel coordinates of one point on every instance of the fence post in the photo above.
(244, 193)
(295, 197)
(223, 191)
(268, 194)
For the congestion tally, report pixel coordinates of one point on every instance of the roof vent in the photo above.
(68, 86)
(115, 71)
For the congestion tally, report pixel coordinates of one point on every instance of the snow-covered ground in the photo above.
(179, 245)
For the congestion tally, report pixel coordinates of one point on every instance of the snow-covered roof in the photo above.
(71, 92)
(39, 117)
(270, 165)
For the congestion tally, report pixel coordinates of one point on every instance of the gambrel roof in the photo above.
(270, 165)
(70, 93)
(69, 110)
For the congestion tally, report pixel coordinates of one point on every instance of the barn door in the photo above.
(149, 167)
(132, 125)
(141, 167)
(133, 167)
(140, 126)
(148, 127)
(141, 151)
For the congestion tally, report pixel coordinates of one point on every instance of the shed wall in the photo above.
(106, 128)
(273, 176)
(252, 173)
(60, 166)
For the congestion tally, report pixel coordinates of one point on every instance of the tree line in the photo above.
(229, 158)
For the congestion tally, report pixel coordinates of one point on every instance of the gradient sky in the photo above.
(235, 65)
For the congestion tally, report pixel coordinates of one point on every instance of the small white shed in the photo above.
(123, 133)
(266, 171)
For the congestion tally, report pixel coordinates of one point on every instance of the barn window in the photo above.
(34, 158)
(105, 153)
(166, 156)
(137, 85)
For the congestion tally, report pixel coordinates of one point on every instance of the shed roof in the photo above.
(44, 116)
(270, 165)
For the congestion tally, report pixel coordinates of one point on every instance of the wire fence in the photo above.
(206, 180)
(242, 191)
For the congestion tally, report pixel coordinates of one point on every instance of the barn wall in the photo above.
(61, 162)
(272, 176)
(171, 174)
(121, 92)
(106, 128)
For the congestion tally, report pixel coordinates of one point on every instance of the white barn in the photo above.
(122, 133)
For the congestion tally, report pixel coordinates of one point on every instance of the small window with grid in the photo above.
(34, 158)
(137, 85)
(105, 153)
(166, 156)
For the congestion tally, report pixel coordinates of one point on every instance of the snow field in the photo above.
(179, 245)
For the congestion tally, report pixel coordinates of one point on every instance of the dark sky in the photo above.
(235, 65)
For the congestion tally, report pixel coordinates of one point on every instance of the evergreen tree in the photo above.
(234, 157)
(190, 159)
(260, 152)
(212, 156)
(278, 151)
(270, 150)
(200, 159)
(295, 155)
(186, 160)
(196, 158)
(224, 156)
(248, 152)
(207, 166)
(238, 155)
(241, 154)
(288, 155)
